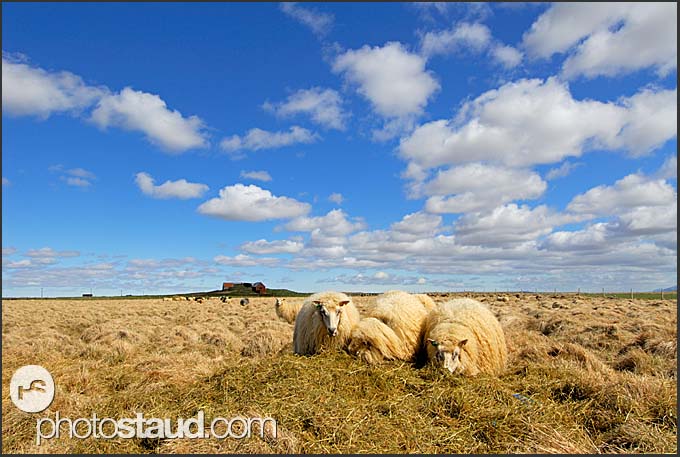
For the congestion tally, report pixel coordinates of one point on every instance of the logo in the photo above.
(32, 388)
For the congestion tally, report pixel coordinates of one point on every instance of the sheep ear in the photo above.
(343, 303)
(462, 343)
(433, 342)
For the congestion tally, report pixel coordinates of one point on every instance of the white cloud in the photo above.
(76, 182)
(477, 186)
(473, 38)
(18, 264)
(9, 251)
(562, 171)
(5, 182)
(669, 169)
(632, 191)
(148, 113)
(32, 91)
(592, 238)
(381, 275)
(463, 36)
(532, 122)
(243, 260)
(469, 10)
(257, 175)
(181, 188)
(651, 119)
(506, 225)
(272, 247)
(607, 38)
(319, 23)
(81, 173)
(415, 226)
(324, 106)
(394, 80)
(251, 203)
(334, 223)
(507, 56)
(336, 198)
(257, 139)
(49, 252)
(77, 177)
(647, 223)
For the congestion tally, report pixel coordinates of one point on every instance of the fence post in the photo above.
(661, 294)
(631, 294)
(603, 291)
(579, 292)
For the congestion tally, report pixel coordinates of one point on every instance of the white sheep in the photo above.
(244, 301)
(427, 301)
(287, 310)
(395, 330)
(324, 321)
(465, 337)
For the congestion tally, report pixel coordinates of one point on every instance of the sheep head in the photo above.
(329, 308)
(447, 353)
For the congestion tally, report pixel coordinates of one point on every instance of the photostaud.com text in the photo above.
(142, 427)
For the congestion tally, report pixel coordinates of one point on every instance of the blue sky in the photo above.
(168, 147)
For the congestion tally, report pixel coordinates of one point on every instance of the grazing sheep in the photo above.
(167, 298)
(395, 330)
(465, 337)
(325, 320)
(223, 299)
(286, 310)
(244, 301)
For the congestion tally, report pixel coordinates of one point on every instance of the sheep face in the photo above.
(447, 354)
(331, 314)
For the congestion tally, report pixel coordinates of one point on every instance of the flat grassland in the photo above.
(585, 375)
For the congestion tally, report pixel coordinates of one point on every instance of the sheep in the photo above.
(392, 330)
(223, 299)
(427, 301)
(324, 321)
(465, 337)
(244, 301)
(286, 310)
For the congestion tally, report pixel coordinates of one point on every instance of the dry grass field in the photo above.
(594, 375)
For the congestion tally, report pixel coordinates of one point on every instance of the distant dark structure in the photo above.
(259, 288)
(87, 295)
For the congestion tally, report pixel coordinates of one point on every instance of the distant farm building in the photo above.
(258, 287)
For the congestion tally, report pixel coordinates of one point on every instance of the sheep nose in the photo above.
(332, 331)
